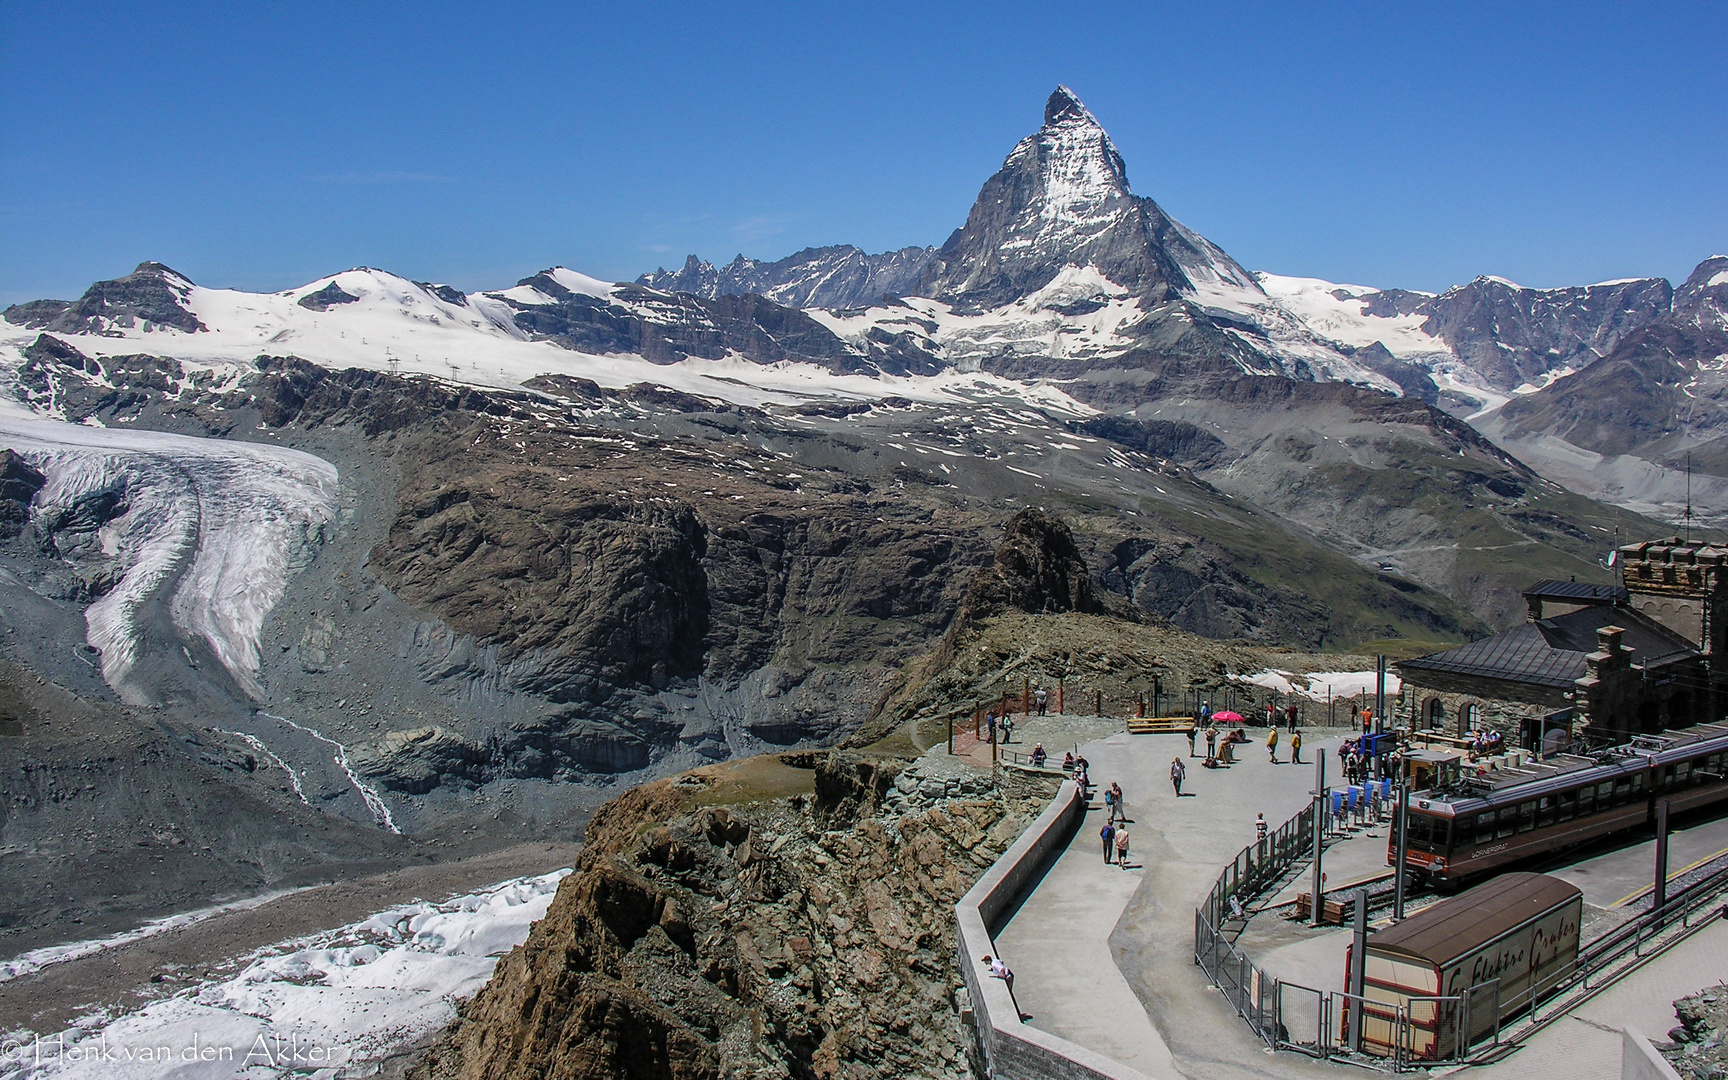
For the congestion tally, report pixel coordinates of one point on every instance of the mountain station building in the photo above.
(1597, 663)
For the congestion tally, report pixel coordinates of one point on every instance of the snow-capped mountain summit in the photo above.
(1062, 199)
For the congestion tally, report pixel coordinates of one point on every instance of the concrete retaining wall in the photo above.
(1640, 1061)
(1012, 1050)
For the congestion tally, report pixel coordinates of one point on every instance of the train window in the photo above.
(1568, 805)
(1638, 783)
(1604, 794)
(1419, 828)
(1545, 811)
(1622, 790)
(1682, 774)
(1586, 801)
(1526, 816)
(1485, 828)
(1507, 823)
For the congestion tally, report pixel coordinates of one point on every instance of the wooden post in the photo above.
(977, 721)
(1140, 702)
(1003, 709)
(950, 734)
(1099, 708)
(1025, 697)
(1061, 706)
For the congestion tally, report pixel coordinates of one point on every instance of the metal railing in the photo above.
(1288, 1016)
(1611, 956)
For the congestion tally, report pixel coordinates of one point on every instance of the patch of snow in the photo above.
(1720, 277)
(37, 959)
(334, 1004)
(1318, 684)
(1315, 303)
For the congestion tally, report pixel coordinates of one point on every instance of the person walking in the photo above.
(1122, 847)
(1272, 745)
(1260, 828)
(1121, 811)
(1178, 772)
(1108, 835)
(1295, 747)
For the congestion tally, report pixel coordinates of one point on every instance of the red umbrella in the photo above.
(1227, 716)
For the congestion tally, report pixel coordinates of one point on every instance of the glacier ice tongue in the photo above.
(212, 529)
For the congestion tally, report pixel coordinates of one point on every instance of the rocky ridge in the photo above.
(807, 936)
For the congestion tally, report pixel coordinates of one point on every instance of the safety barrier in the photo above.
(1013, 1050)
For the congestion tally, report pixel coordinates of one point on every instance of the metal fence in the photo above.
(1288, 1016)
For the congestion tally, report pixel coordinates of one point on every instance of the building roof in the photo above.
(1457, 927)
(1552, 652)
(1577, 592)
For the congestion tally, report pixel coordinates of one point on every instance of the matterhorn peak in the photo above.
(1065, 108)
(1060, 200)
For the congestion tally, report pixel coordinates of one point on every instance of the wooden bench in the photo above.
(1161, 725)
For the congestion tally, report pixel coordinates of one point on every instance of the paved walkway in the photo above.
(1084, 915)
(1091, 942)
(1066, 979)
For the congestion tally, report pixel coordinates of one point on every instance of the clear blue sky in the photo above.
(261, 145)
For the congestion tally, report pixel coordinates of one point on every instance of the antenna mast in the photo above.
(1688, 525)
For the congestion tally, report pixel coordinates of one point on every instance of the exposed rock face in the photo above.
(19, 483)
(1662, 391)
(841, 276)
(1062, 199)
(150, 294)
(326, 298)
(1513, 335)
(668, 327)
(1038, 569)
(808, 937)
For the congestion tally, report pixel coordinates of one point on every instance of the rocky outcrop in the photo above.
(666, 328)
(150, 295)
(1698, 1046)
(19, 483)
(326, 298)
(767, 938)
(1038, 569)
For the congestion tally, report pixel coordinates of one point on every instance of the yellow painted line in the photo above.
(1629, 897)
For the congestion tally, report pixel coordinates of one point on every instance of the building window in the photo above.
(1436, 713)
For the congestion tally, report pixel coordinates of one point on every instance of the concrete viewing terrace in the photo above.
(1103, 956)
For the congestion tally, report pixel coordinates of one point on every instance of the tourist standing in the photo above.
(1108, 835)
(1121, 811)
(1041, 698)
(1122, 847)
(1191, 733)
(1211, 741)
(1178, 772)
(1295, 747)
(1272, 745)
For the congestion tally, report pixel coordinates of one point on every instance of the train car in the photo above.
(1461, 967)
(1491, 818)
